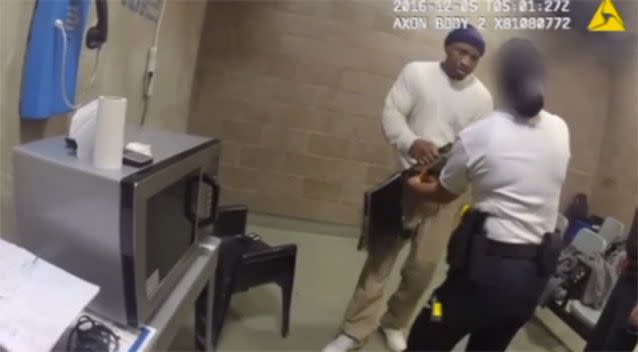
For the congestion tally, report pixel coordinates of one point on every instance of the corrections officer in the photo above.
(427, 106)
(504, 249)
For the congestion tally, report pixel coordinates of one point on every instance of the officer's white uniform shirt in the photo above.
(516, 169)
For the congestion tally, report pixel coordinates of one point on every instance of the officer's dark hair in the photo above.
(521, 73)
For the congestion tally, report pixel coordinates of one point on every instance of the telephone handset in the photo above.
(96, 35)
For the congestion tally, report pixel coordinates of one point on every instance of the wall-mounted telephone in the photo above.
(53, 52)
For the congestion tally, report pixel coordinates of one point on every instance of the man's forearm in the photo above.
(396, 130)
(397, 107)
(433, 191)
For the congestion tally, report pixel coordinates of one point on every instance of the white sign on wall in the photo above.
(149, 9)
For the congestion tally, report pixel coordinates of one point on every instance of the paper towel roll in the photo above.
(109, 133)
(82, 130)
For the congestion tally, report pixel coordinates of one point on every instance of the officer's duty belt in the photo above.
(511, 250)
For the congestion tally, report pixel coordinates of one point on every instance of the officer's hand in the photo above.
(414, 185)
(425, 176)
(429, 180)
(422, 182)
(414, 182)
(633, 317)
(423, 151)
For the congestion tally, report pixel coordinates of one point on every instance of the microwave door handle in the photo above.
(191, 185)
(191, 214)
(214, 185)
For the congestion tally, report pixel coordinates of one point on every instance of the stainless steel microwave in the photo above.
(132, 231)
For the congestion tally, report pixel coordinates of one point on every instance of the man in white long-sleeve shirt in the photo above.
(428, 105)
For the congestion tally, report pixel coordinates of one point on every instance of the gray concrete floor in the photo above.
(327, 269)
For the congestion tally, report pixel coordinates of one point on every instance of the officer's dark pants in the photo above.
(491, 308)
(611, 332)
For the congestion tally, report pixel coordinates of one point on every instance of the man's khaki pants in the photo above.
(427, 246)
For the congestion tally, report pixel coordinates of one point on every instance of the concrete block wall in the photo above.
(615, 190)
(294, 89)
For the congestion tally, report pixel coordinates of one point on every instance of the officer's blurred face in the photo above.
(461, 59)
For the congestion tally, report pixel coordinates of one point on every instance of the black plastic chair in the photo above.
(245, 261)
(230, 220)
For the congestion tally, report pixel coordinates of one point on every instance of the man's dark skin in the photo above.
(461, 60)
